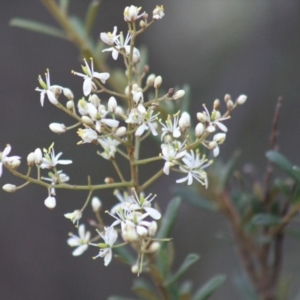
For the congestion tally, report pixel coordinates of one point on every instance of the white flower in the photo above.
(110, 236)
(121, 44)
(50, 202)
(148, 122)
(74, 216)
(50, 160)
(125, 201)
(158, 12)
(89, 73)
(108, 37)
(184, 121)
(58, 177)
(48, 90)
(172, 153)
(194, 166)
(4, 159)
(88, 135)
(171, 128)
(81, 241)
(110, 147)
(131, 13)
(213, 121)
(218, 138)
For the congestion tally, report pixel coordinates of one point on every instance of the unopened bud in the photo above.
(112, 104)
(14, 164)
(96, 204)
(146, 69)
(50, 202)
(199, 130)
(229, 104)
(201, 117)
(57, 128)
(227, 97)
(70, 105)
(150, 80)
(217, 104)
(38, 156)
(9, 188)
(212, 145)
(152, 228)
(121, 131)
(135, 269)
(178, 94)
(119, 111)
(142, 23)
(157, 82)
(87, 120)
(95, 100)
(109, 180)
(241, 99)
(219, 137)
(154, 247)
(68, 93)
(31, 159)
(184, 121)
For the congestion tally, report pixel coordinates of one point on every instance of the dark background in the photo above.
(218, 47)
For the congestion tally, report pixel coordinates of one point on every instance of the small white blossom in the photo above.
(131, 13)
(89, 73)
(213, 121)
(110, 236)
(110, 147)
(81, 242)
(88, 135)
(50, 160)
(194, 166)
(158, 12)
(48, 89)
(74, 216)
(9, 161)
(109, 38)
(171, 127)
(57, 178)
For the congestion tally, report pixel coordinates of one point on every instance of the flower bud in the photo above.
(50, 202)
(87, 120)
(68, 93)
(219, 137)
(131, 13)
(57, 128)
(31, 159)
(14, 164)
(135, 269)
(229, 104)
(70, 105)
(119, 111)
(157, 82)
(109, 180)
(126, 91)
(152, 228)
(150, 80)
(112, 104)
(154, 247)
(95, 100)
(227, 97)
(38, 156)
(241, 99)
(212, 145)
(217, 104)
(184, 121)
(201, 117)
(142, 24)
(121, 131)
(199, 130)
(178, 94)
(9, 188)
(158, 12)
(96, 204)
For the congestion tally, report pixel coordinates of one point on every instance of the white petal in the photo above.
(51, 97)
(87, 86)
(221, 126)
(216, 151)
(153, 213)
(73, 242)
(79, 250)
(167, 168)
(110, 122)
(64, 161)
(107, 258)
(190, 178)
(141, 130)
(101, 76)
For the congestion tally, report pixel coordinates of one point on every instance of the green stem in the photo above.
(117, 169)
(147, 160)
(151, 180)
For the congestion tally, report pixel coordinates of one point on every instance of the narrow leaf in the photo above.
(144, 290)
(169, 219)
(37, 27)
(185, 290)
(188, 262)
(124, 255)
(282, 163)
(242, 284)
(190, 195)
(209, 288)
(265, 220)
(91, 15)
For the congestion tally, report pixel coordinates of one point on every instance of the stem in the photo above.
(147, 160)
(151, 180)
(118, 170)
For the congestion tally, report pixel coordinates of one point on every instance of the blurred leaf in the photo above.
(165, 258)
(169, 219)
(185, 290)
(78, 26)
(63, 5)
(296, 196)
(188, 262)
(37, 27)
(91, 15)
(282, 163)
(283, 186)
(120, 298)
(244, 287)
(227, 169)
(209, 288)
(294, 233)
(124, 255)
(190, 195)
(265, 219)
(143, 289)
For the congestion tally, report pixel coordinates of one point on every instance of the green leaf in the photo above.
(120, 298)
(91, 15)
(284, 164)
(185, 290)
(169, 219)
(209, 288)
(37, 27)
(265, 219)
(188, 262)
(190, 195)
(143, 289)
(244, 287)
(124, 255)
(227, 169)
